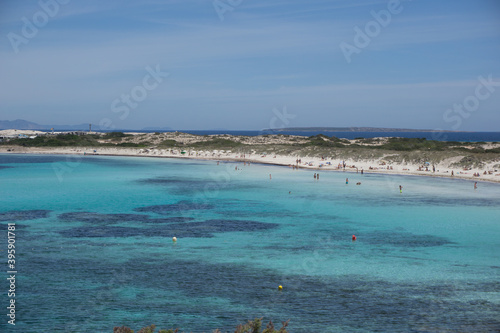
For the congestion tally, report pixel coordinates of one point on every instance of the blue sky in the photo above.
(248, 65)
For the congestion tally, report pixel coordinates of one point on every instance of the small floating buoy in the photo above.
(174, 239)
(280, 287)
(353, 238)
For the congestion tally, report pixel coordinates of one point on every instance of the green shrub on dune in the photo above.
(216, 143)
(60, 140)
(169, 143)
(115, 135)
(131, 144)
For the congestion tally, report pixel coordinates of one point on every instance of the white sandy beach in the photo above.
(489, 173)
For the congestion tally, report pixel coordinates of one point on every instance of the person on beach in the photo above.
(400, 189)
(315, 175)
(452, 173)
(475, 185)
(347, 181)
(361, 171)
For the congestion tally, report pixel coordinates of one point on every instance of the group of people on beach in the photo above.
(343, 165)
(316, 177)
(426, 167)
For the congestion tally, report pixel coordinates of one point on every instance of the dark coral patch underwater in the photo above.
(24, 215)
(404, 239)
(176, 207)
(204, 229)
(108, 219)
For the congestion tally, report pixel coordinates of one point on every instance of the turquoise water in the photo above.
(94, 247)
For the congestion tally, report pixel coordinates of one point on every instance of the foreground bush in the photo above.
(254, 326)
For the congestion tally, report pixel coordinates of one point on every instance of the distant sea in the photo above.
(439, 136)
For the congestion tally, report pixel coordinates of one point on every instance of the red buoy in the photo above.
(353, 238)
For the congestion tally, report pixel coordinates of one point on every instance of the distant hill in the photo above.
(21, 124)
(28, 125)
(350, 129)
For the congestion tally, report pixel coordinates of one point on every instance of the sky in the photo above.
(250, 65)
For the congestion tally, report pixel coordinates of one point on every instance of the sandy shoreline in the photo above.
(315, 163)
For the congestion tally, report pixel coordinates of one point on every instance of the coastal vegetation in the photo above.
(216, 143)
(59, 140)
(391, 150)
(115, 136)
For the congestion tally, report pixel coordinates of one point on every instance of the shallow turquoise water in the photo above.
(94, 247)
